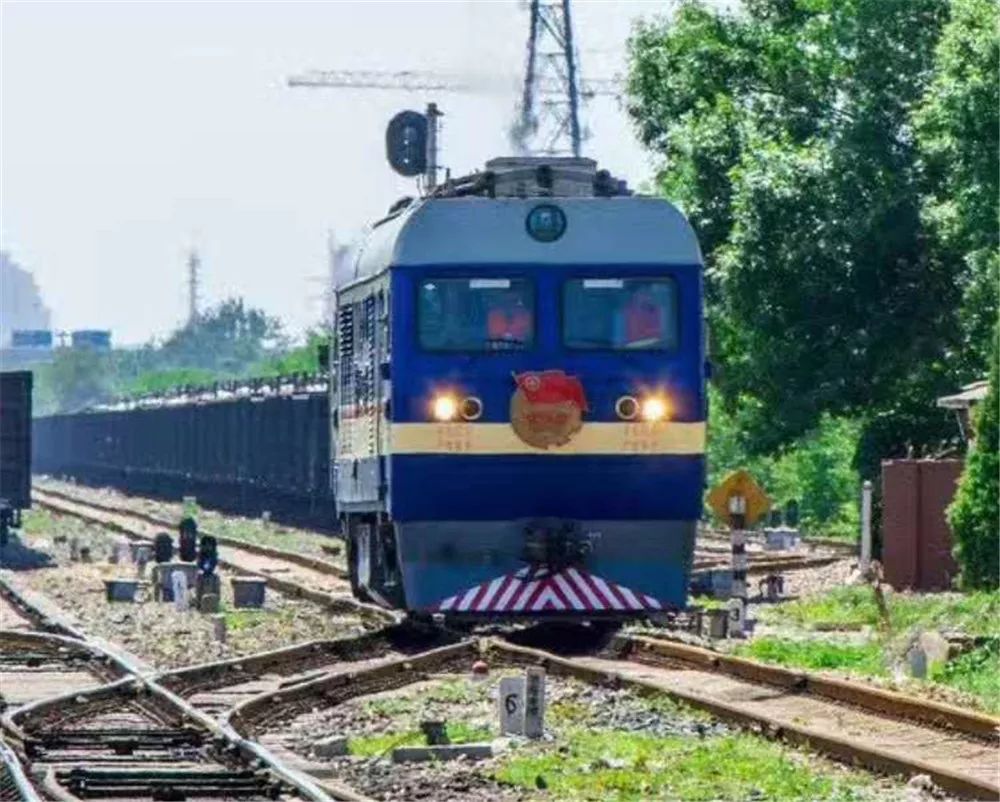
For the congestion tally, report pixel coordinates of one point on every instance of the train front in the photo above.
(548, 425)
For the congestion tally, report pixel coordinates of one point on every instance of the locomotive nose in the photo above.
(555, 543)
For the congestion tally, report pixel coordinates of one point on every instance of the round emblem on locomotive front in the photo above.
(547, 408)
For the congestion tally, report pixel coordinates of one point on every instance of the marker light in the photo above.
(444, 408)
(654, 409)
(471, 408)
(627, 408)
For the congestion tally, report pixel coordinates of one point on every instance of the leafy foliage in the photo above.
(957, 131)
(837, 248)
(230, 340)
(861, 658)
(227, 337)
(975, 514)
(815, 469)
(976, 673)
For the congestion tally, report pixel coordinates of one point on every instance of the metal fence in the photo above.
(241, 454)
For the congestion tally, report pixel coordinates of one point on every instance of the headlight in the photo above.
(444, 408)
(654, 409)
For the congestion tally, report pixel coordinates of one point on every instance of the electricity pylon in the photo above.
(552, 93)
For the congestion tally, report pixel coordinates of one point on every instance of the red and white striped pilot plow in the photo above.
(536, 590)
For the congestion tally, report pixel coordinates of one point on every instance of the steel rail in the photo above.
(10, 761)
(288, 587)
(272, 707)
(305, 560)
(836, 746)
(653, 650)
(10, 721)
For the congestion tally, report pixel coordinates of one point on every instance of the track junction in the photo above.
(86, 722)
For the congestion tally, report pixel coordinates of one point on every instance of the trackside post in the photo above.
(738, 593)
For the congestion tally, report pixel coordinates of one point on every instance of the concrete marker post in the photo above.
(534, 703)
(866, 528)
(510, 702)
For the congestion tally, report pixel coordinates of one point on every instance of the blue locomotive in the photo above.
(518, 398)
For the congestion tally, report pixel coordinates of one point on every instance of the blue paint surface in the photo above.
(606, 375)
(427, 487)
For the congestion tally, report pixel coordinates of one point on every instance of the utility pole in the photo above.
(432, 145)
(194, 278)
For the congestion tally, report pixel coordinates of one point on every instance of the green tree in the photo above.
(959, 139)
(302, 359)
(75, 379)
(975, 514)
(786, 133)
(226, 339)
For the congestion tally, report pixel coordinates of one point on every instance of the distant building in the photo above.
(94, 339)
(21, 305)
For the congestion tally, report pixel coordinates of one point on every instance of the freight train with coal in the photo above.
(517, 399)
(15, 448)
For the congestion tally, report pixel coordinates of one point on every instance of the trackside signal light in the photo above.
(444, 408)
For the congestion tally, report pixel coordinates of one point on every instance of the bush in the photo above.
(975, 514)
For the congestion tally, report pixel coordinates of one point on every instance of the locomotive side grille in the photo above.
(345, 350)
(367, 395)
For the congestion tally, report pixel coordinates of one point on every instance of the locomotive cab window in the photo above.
(476, 314)
(620, 314)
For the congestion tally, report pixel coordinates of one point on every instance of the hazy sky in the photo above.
(134, 130)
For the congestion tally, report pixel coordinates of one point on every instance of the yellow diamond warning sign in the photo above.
(739, 484)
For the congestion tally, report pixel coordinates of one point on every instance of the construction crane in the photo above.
(548, 114)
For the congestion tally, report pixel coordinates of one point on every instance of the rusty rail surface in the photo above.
(273, 709)
(653, 650)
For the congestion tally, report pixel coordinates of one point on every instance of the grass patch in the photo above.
(453, 691)
(708, 603)
(378, 745)
(390, 706)
(628, 767)
(854, 607)
(866, 658)
(238, 620)
(977, 673)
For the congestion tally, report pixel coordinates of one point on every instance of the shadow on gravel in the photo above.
(15, 556)
(564, 638)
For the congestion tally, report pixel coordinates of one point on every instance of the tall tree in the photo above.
(975, 514)
(786, 134)
(959, 139)
(227, 338)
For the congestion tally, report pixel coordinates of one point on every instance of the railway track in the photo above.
(310, 577)
(79, 722)
(296, 575)
(883, 732)
(880, 730)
